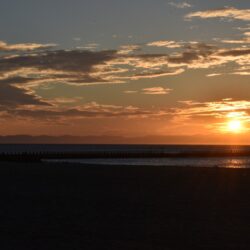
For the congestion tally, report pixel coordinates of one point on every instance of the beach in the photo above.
(76, 206)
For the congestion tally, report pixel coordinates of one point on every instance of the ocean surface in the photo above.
(226, 162)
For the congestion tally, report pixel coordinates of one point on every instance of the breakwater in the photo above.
(39, 156)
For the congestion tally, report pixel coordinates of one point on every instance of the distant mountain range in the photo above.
(68, 139)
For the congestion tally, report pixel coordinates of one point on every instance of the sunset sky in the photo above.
(125, 68)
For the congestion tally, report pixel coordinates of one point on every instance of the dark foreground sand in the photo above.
(56, 206)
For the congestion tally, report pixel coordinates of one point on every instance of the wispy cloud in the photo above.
(130, 91)
(23, 46)
(128, 49)
(89, 110)
(213, 74)
(180, 5)
(216, 109)
(156, 91)
(150, 91)
(244, 40)
(89, 46)
(166, 44)
(227, 12)
(242, 73)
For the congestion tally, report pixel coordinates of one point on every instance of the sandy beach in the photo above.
(70, 206)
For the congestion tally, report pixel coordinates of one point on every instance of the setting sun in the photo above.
(235, 126)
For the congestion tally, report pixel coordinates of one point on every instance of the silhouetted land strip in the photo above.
(38, 156)
(70, 206)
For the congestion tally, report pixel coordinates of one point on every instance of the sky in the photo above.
(142, 68)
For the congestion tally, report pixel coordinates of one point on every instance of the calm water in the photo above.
(225, 162)
(229, 162)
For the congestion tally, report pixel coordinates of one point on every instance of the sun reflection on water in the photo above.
(236, 163)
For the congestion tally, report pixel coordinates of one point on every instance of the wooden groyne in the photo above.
(39, 156)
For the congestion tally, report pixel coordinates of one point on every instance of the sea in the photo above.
(228, 161)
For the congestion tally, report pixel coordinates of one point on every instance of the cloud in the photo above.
(227, 12)
(84, 111)
(78, 67)
(181, 5)
(89, 46)
(130, 91)
(58, 60)
(200, 55)
(150, 91)
(12, 96)
(225, 108)
(4, 47)
(238, 52)
(127, 49)
(61, 65)
(156, 74)
(195, 55)
(167, 44)
(213, 74)
(156, 91)
(212, 116)
(21, 74)
(242, 73)
(243, 41)
(81, 67)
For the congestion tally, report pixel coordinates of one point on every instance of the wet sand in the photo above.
(69, 206)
